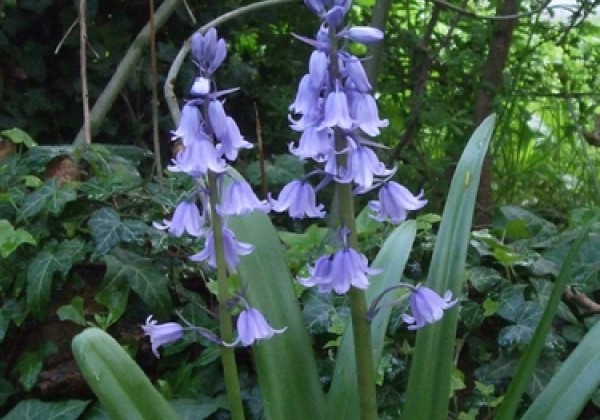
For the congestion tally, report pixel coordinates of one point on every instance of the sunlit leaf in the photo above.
(11, 239)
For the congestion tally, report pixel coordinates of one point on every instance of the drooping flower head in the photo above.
(238, 199)
(233, 250)
(427, 307)
(298, 198)
(161, 334)
(339, 271)
(252, 326)
(395, 201)
(187, 218)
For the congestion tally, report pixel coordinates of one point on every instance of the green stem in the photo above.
(365, 371)
(232, 382)
(363, 350)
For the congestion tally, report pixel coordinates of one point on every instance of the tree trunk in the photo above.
(491, 80)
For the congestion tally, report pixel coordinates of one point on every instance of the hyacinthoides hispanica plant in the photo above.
(337, 116)
(210, 139)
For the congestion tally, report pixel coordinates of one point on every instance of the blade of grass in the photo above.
(528, 362)
(342, 399)
(286, 367)
(430, 374)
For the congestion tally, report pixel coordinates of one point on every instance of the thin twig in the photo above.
(168, 89)
(125, 68)
(496, 17)
(83, 69)
(66, 35)
(155, 135)
(188, 9)
(261, 155)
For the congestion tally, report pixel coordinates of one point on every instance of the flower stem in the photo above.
(232, 382)
(363, 351)
(365, 371)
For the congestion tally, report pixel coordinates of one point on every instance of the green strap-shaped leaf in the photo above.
(432, 366)
(573, 385)
(342, 400)
(118, 382)
(287, 372)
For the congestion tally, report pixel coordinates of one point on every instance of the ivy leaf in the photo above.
(115, 300)
(133, 230)
(511, 301)
(29, 364)
(11, 239)
(68, 253)
(108, 230)
(317, 312)
(39, 281)
(35, 410)
(199, 408)
(18, 136)
(72, 312)
(51, 197)
(127, 268)
(105, 224)
(519, 335)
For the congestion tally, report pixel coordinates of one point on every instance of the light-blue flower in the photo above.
(427, 307)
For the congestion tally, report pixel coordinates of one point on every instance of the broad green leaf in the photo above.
(111, 178)
(365, 224)
(11, 239)
(432, 366)
(287, 372)
(537, 227)
(484, 278)
(134, 154)
(115, 300)
(29, 365)
(72, 312)
(108, 229)
(51, 197)
(38, 410)
(40, 273)
(18, 136)
(503, 368)
(133, 230)
(283, 169)
(317, 311)
(68, 253)
(342, 399)
(196, 409)
(105, 224)
(138, 273)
